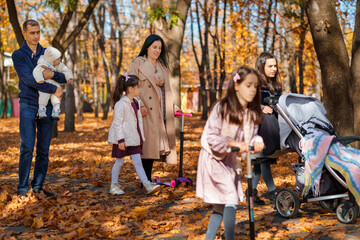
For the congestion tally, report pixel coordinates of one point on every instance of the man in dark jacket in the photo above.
(25, 60)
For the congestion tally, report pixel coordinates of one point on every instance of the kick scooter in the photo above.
(176, 181)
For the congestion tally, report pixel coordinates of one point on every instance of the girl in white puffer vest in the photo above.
(126, 132)
(51, 60)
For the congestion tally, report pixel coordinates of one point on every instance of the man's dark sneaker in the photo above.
(38, 190)
(258, 200)
(22, 193)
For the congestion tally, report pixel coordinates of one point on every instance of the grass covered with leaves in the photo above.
(80, 174)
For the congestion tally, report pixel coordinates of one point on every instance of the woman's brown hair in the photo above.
(231, 108)
(271, 84)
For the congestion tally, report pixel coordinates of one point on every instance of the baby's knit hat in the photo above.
(51, 54)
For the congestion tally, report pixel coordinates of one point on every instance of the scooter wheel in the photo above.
(156, 179)
(189, 183)
(174, 183)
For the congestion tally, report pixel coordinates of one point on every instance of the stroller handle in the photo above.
(179, 114)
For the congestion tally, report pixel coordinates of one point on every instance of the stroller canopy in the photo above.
(306, 113)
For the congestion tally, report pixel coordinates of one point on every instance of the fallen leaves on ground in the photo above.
(80, 174)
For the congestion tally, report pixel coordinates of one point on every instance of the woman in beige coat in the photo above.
(157, 109)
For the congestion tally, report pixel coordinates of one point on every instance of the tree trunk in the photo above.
(96, 98)
(114, 22)
(85, 68)
(215, 72)
(206, 53)
(79, 100)
(272, 48)
(4, 91)
(301, 48)
(173, 37)
(2, 79)
(70, 109)
(69, 94)
(334, 63)
(222, 53)
(69, 122)
(318, 79)
(101, 44)
(301, 63)
(267, 23)
(95, 91)
(289, 57)
(355, 71)
(201, 65)
(215, 43)
(116, 42)
(106, 105)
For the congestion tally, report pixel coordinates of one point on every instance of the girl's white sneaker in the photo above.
(115, 189)
(152, 188)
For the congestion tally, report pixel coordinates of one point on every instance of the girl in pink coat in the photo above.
(233, 122)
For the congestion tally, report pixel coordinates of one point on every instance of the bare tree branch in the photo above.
(62, 29)
(83, 21)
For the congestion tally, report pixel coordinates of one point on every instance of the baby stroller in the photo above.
(303, 116)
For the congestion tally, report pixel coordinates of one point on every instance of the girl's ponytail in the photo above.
(119, 89)
(122, 84)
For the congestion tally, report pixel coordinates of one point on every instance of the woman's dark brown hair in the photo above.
(271, 84)
(122, 85)
(231, 108)
(150, 40)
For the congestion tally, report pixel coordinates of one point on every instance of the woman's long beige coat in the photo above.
(151, 98)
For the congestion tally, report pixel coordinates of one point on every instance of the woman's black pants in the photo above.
(148, 165)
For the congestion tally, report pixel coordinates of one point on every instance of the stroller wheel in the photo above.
(287, 203)
(330, 204)
(350, 216)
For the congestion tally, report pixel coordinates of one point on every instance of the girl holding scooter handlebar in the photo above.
(233, 122)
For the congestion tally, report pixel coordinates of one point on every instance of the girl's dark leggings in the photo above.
(148, 165)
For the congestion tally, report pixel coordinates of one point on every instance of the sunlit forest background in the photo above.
(316, 42)
(100, 38)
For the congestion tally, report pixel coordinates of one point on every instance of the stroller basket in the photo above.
(328, 184)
